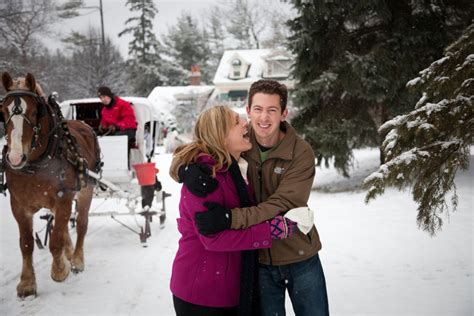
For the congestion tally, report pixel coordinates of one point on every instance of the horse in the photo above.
(45, 161)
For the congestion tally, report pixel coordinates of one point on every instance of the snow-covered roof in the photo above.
(137, 101)
(256, 58)
(164, 98)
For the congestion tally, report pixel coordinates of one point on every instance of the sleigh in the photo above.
(118, 179)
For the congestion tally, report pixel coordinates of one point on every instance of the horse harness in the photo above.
(60, 143)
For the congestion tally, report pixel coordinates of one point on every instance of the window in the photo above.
(238, 95)
(236, 68)
(278, 68)
(236, 62)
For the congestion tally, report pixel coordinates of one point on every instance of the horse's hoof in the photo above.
(24, 291)
(77, 264)
(76, 270)
(60, 275)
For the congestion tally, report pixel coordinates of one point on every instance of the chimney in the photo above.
(195, 77)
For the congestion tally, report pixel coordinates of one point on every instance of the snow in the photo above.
(422, 100)
(376, 260)
(413, 82)
(440, 61)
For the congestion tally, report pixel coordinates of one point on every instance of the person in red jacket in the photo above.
(118, 117)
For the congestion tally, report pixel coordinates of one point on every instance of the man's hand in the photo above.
(216, 219)
(111, 130)
(198, 179)
(101, 130)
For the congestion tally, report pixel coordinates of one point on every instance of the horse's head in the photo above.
(23, 106)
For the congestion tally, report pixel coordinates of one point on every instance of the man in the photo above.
(281, 170)
(118, 117)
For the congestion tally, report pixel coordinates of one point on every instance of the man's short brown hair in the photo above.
(269, 86)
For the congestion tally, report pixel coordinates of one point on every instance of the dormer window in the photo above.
(278, 68)
(236, 62)
(236, 67)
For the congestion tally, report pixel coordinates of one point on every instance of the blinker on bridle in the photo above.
(17, 110)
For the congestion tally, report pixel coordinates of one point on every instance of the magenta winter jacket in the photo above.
(120, 114)
(206, 270)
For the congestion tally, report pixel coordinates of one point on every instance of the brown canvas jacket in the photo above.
(281, 182)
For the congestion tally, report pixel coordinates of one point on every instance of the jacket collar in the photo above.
(284, 150)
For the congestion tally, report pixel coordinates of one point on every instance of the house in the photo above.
(238, 69)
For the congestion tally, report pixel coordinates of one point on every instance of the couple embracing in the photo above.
(247, 235)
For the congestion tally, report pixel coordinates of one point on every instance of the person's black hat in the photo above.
(105, 91)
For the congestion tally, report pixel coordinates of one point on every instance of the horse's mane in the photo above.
(20, 84)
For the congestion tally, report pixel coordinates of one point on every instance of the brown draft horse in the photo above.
(44, 161)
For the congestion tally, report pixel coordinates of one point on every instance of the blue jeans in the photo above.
(305, 283)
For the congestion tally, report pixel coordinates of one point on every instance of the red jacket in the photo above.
(119, 114)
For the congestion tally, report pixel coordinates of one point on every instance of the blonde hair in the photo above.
(210, 131)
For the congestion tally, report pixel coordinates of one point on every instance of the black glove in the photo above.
(216, 219)
(197, 179)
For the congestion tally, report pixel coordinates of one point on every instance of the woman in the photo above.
(206, 271)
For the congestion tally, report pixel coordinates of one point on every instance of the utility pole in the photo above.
(102, 23)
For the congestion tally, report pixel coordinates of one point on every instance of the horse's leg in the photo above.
(61, 266)
(24, 218)
(83, 204)
(68, 247)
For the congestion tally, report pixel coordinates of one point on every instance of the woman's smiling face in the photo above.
(237, 140)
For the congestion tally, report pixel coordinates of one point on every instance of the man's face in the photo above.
(265, 116)
(105, 99)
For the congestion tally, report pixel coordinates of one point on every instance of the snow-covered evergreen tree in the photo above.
(144, 45)
(426, 147)
(353, 59)
(187, 46)
(146, 67)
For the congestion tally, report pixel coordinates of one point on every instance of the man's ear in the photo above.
(247, 109)
(284, 115)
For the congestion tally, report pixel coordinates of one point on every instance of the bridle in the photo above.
(17, 110)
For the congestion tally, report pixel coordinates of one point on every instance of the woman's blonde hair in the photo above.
(210, 131)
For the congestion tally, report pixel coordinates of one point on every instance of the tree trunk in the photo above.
(379, 114)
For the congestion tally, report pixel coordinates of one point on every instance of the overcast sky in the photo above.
(116, 13)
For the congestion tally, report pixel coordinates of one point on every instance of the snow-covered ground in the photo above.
(375, 259)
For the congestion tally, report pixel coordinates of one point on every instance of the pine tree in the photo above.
(146, 67)
(144, 45)
(353, 59)
(425, 148)
(188, 46)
